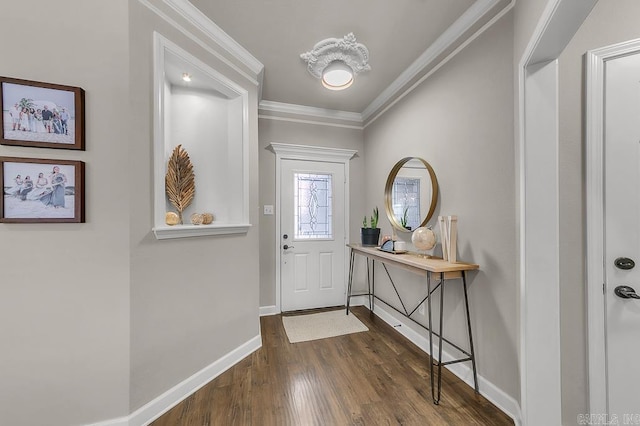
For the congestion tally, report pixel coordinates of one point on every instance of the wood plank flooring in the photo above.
(371, 378)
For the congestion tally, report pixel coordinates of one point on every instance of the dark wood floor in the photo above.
(372, 378)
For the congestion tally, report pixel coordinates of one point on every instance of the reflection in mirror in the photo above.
(411, 194)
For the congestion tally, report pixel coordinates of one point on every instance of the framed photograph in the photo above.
(41, 191)
(41, 114)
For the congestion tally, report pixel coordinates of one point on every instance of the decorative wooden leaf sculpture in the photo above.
(180, 181)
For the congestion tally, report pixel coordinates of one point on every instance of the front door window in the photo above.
(312, 204)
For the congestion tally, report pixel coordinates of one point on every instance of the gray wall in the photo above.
(302, 134)
(64, 308)
(193, 300)
(461, 121)
(610, 22)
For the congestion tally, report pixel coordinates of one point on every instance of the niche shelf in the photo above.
(208, 116)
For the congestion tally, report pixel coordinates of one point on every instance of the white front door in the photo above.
(312, 240)
(622, 236)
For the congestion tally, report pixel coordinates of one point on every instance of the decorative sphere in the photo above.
(423, 238)
(197, 219)
(172, 218)
(207, 218)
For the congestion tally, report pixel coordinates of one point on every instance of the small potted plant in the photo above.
(405, 219)
(370, 235)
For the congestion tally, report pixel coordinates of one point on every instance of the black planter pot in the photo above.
(370, 236)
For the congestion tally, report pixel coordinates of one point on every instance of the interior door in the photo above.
(312, 215)
(622, 235)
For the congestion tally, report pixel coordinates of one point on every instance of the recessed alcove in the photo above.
(208, 117)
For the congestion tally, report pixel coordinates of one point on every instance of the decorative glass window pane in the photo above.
(313, 217)
(406, 197)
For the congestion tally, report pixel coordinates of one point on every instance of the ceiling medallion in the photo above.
(337, 60)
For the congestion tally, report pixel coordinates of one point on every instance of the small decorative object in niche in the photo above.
(41, 191)
(449, 233)
(197, 219)
(41, 115)
(370, 235)
(172, 218)
(180, 183)
(207, 218)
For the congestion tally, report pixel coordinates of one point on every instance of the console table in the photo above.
(426, 267)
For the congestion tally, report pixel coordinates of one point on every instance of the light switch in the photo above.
(268, 210)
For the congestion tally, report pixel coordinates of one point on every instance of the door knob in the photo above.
(626, 292)
(286, 247)
(624, 263)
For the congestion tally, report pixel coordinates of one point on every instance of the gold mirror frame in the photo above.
(388, 198)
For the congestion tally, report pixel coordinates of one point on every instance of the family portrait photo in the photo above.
(36, 190)
(41, 114)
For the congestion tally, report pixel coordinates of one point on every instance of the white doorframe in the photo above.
(540, 394)
(595, 74)
(540, 270)
(313, 153)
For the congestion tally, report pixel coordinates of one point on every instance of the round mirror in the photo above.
(411, 194)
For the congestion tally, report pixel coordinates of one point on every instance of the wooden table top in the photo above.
(413, 261)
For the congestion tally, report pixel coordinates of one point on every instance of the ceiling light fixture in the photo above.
(337, 76)
(186, 77)
(336, 61)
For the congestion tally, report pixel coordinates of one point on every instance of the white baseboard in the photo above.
(160, 405)
(268, 310)
(359, 301)
(121, 421)
(487, 389)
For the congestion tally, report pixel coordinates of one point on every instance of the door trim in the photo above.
(596, 313)
(540, 395)
(310, 153)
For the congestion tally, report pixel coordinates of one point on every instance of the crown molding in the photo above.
(397, 97)
(293, 112)
(318, 122)
(199, 20)
(446, 40)
(309, 111)
(255, 79)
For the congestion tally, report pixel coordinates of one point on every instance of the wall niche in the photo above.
(208, 117)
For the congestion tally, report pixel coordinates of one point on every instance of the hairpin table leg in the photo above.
(430, 336)
(350, 284)
(436, 397)
(473, 355)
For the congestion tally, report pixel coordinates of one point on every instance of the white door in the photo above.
(312, 224)
(622, 235)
